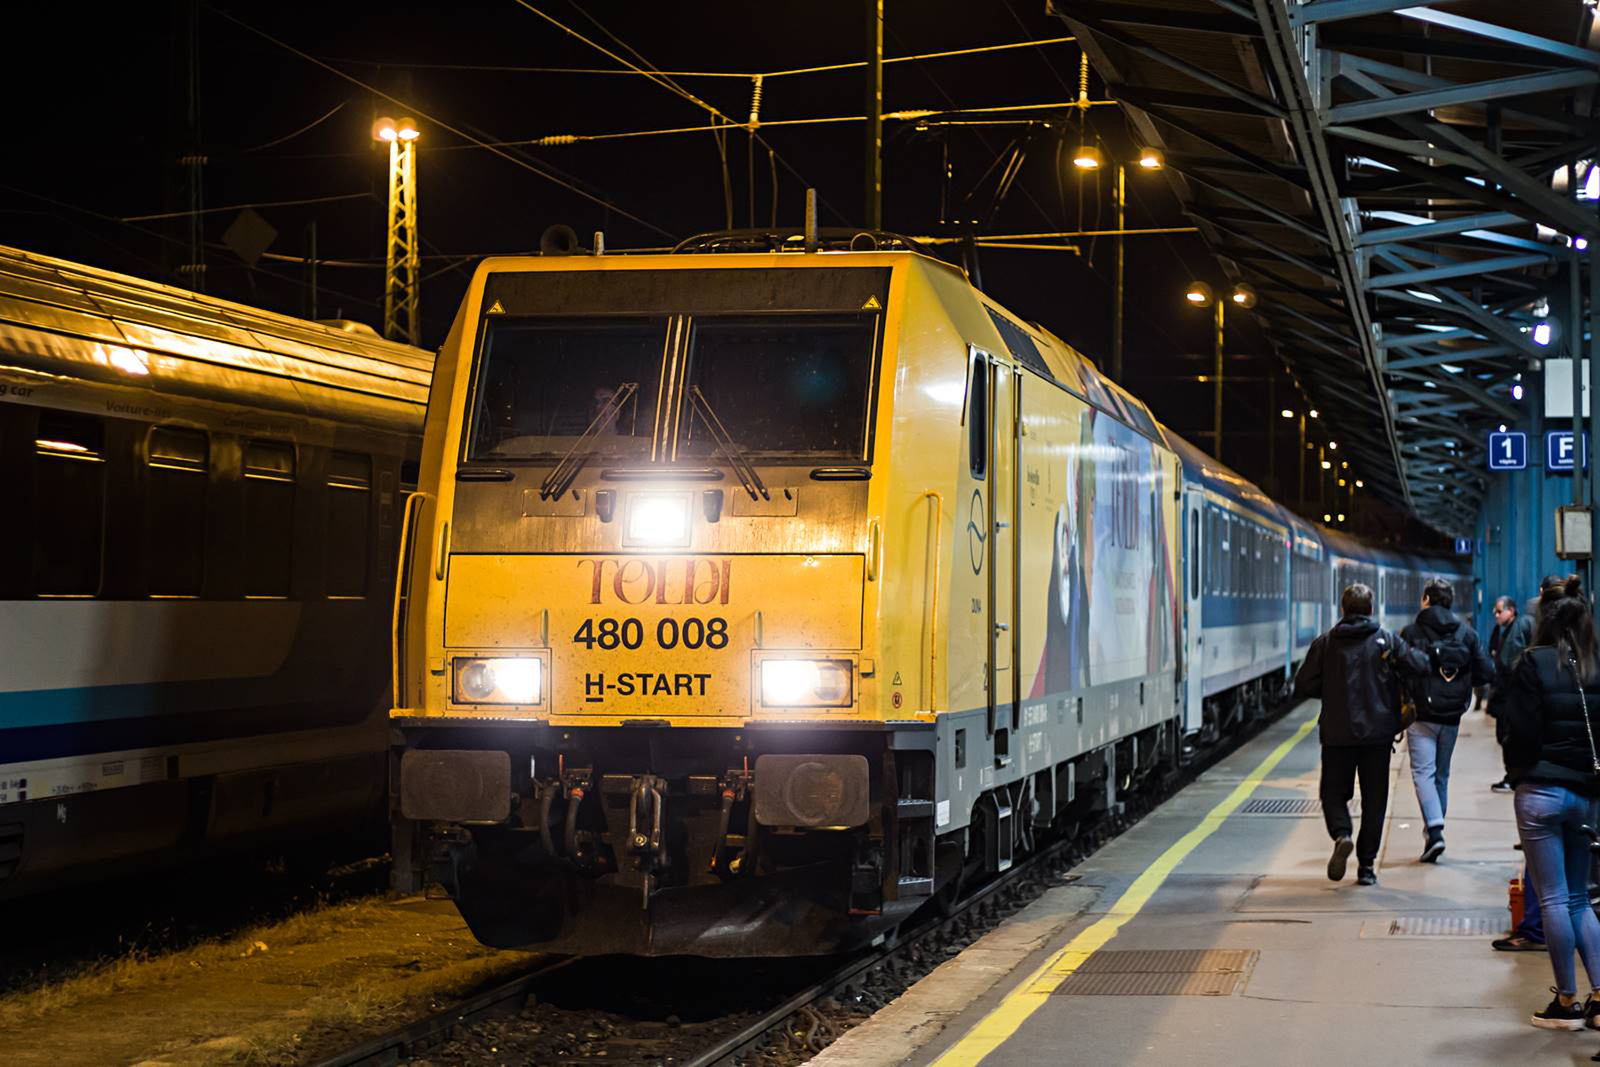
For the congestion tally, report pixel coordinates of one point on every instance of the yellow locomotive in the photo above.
(752, 600)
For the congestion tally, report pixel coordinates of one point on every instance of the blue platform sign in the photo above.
(1463, 546)
(1508, 451)
(1559, 449)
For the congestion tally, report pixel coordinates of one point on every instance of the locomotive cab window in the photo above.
(544, 382)
(175, 511)
(780, 385)
(69, 484)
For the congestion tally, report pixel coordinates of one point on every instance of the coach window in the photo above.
(349, 510)
(269, 517)
(175, 512)
(978, 416)
(69, 493)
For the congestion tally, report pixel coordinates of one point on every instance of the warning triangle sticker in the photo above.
(896, 679)
(496, 308)
(871, 304)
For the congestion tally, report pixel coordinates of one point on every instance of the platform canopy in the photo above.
(1392, 178)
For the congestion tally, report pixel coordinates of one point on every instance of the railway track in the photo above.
(805, 1012)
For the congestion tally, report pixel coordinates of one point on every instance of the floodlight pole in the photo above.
(1116, 304)
(402, 258)
(1216, 402)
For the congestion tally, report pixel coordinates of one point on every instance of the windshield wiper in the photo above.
(559, 480)
(743, 469)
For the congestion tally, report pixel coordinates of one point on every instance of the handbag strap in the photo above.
(1572, 661)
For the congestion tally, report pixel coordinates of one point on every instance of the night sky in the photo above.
(107, 119)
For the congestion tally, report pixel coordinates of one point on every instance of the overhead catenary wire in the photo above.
(242, 207)
(511, 68)
(307, 128)
(441, 123)
(667, 83)
(557, 140)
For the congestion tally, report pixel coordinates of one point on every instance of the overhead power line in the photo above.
(509, 68)
(241, 207)
(442, 124)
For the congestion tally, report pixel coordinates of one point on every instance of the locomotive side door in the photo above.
(1193, 593)
(1005, 706)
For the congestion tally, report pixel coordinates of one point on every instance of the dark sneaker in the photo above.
(1557, 1016)
(1591, 1013)
(1517, 943)
(1503, 786)
(1340, 858)
(1366, 876)
(1435, 846)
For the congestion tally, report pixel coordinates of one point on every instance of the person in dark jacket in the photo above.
(1355, 669)
(1552, 716)
(1456, 663)
(1513, 630)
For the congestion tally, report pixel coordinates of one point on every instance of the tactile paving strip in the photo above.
(1290, 806)
(1188, 972)
(1437, 926)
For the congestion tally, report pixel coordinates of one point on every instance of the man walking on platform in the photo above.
(1513, 632)
(1456, 663)
(1355, 668)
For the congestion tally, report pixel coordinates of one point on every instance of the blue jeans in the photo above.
(1431, 745)
(1550, 821)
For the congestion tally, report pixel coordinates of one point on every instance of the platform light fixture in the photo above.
(1243, 296)
(1286, 413)
(1087, 157)
(1516, 391)
(1360, 484)
(1313, 413)
(1151, 159)
(1326, 517)
(1333, 446)
(1341, 516)
(1327, 464)
(1198, 294)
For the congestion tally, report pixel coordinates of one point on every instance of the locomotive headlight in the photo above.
(498, 681)
(658, 519)
(806, 683)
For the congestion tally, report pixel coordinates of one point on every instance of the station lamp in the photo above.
(1360, 484)
(1151, 159)
(1286, 413)
(1327, 464)
(1326, 517)
(1341, 516)
(391, 130)
(1312, 413)
(1333, 446)
(1243, 296)
(1198, 294)
(1087, 157)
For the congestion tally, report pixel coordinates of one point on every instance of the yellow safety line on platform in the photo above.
(998, 1026)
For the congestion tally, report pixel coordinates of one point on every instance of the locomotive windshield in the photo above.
(794, 384)
(786, 385)
(544, 382)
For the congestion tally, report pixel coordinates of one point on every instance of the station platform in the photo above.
(1210, 934)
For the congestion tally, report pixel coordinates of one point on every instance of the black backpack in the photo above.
(1447, 689)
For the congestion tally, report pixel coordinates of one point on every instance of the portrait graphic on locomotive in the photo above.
(753, 599)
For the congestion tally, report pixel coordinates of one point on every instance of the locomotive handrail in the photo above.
(933, 606)
(402, 591)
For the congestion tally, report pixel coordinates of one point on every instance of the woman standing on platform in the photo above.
(1553, 715)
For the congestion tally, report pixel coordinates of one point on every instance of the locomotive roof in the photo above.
(73, 321)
